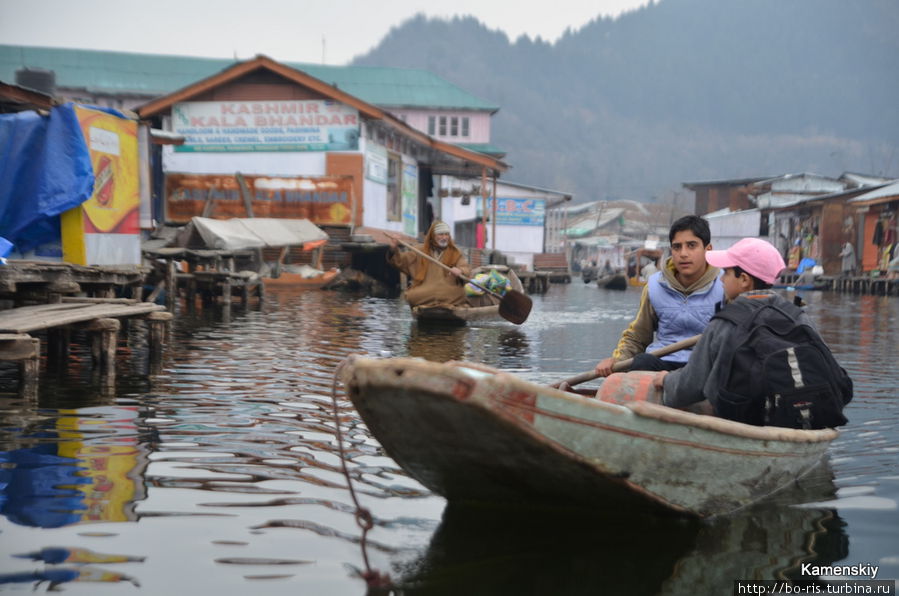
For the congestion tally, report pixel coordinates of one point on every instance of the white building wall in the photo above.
(264, 163)
(519, 243)
(374, 204)
(478, 123)
(728, 228)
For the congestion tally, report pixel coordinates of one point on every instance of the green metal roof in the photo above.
(396, 87)
(157, 74)
(486, 148)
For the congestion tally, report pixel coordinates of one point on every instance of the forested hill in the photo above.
(680, 90)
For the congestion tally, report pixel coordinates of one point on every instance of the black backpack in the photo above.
(777, 371)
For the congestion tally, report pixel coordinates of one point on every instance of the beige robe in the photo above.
(439, 287)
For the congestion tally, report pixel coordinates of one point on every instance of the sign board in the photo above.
(323, 200)
(376, 163)
(288, 125)
(518, 212)
(410, 198)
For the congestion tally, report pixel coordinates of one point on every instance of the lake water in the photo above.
(221, 474)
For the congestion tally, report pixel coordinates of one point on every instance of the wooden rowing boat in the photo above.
(460, 315)
(613, 281)
(302, 277)
(471, 433)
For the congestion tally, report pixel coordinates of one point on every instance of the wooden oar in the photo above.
(513, 305)
(622, 365)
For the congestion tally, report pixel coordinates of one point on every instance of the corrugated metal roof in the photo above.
(881, 195)
(158, 74)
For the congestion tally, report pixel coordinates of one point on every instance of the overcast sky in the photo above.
(329, 31)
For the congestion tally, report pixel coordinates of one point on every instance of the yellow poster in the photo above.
(112, 143)
(108, 223)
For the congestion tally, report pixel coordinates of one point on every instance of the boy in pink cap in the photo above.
(750, 268)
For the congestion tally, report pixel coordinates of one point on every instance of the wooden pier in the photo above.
(44, 300)
(210, 275)
(534, 282)
(856, 284)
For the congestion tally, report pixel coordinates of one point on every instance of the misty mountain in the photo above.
(680, 90)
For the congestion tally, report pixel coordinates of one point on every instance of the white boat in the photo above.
(475, 434)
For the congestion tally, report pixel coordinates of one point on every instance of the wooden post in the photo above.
(245, 193)
(190, 294)
(58, 339)
(226, 296)
(171, 285)
(104, 336)
(260, 290)
(30, 371)
(158, 325)
(56, 290)
(26, 350)
(207, 204)
(484, 205)
(493, 216)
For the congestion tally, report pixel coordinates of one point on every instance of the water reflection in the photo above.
(486, 551)
(501, 346)
(75, 468)
(438, 343)
(501, 551)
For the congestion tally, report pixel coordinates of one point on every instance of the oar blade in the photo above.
(515, 307)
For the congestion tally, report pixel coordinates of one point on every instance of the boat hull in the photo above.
(473, 434)
(616, 281)
(460, 315)
(295, 280)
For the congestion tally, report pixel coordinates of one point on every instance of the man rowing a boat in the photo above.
(676, 304)
(433, 285)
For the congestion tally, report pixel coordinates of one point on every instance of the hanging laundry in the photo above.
(878, 234)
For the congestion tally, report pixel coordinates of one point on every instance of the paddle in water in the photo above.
(624, 365)
(513, 305)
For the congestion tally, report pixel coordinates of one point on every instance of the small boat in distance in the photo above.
(637, 259)
(613, 281)
(474, 434)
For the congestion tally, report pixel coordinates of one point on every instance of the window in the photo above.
(443, 126)
(394, 187)
(454, 126)
(465, 126)
(432, 125)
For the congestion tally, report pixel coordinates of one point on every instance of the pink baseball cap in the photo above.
(753, 255)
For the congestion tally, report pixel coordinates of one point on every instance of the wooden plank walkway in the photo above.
(26, 319)
(44, 301)
(101, 318)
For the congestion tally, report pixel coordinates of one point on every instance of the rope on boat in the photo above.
(373, 578)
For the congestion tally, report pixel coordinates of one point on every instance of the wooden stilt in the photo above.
(57, 289)
(58, 340)
(171, 284)
(191, 294)
(26, 350)
(226, 298)
(158, 324)
(103, 344)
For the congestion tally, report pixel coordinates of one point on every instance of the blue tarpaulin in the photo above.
(45, 169)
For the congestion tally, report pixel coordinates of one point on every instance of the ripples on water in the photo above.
(222, 473)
